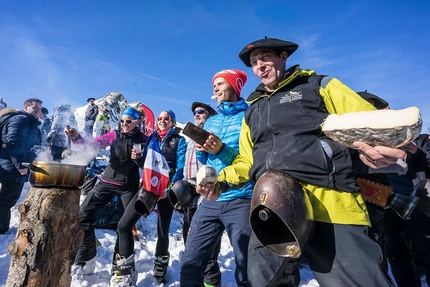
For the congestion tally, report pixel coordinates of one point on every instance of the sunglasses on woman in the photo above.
(166, 119)
(128, 121)
(199, 112)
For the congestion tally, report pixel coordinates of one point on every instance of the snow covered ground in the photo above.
(144, 255)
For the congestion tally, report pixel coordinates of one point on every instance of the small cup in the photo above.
(138, 149)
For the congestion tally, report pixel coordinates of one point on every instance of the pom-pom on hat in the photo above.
(267, 43)
(131, 112)
(235, 78)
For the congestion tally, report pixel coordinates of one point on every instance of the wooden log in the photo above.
(47, 240)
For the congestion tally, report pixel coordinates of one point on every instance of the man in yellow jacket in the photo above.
(281, 131)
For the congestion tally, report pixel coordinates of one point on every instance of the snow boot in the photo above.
(84, 268)
(124, 274)
(160, 268)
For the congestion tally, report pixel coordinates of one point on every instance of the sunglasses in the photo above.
(166, 119)
(199, 112)
(128, 121)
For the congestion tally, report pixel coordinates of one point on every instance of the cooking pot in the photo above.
(49, 174)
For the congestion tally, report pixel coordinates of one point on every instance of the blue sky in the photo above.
(164, 53)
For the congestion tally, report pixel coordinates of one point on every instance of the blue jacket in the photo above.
(226, 125)
(20, 135)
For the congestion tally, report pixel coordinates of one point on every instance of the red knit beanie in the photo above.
(235, 78)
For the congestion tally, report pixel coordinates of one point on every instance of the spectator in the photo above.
(363, 172)
(3, 104)
(56, 140)
(173, 147)
(19, 135)
(90, 117)
(45, 127)
(101, 125)
(408, 241)
(230, 211)
(281, 131)
(121, 178)
(201, 111)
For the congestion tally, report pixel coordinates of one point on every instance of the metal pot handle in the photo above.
(35, 168)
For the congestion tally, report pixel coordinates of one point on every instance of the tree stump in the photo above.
(47, 240)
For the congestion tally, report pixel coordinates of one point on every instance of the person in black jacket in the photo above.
(364, 172)
(408, 241)
(173, 147)
(45, 127)
(281, 135)
(3, 104)
(120, 178)
(90, 117)
(19, 136)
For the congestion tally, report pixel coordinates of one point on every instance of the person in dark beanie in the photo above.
(90, 117)
(281, 134)
(202, 112)
(405, 242)
(20, 135)
(230, 211)
(375, 179)
(3, 104)
(376, 101)
(45, 127)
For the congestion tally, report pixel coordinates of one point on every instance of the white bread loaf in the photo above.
(392, 128)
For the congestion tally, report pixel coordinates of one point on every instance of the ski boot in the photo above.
(124, 274)
(160, 268)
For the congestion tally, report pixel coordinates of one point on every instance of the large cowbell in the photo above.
(281, 214)
(181, 194)
(145, 202)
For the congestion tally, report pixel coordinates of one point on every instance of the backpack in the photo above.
(89, 182)
(5, 116)
(109, 216)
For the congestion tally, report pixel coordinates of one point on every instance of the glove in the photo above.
(72, 132)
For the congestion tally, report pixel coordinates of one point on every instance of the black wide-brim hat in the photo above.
(89, 99)
(380, 104)
(206, 107)
(267, 43)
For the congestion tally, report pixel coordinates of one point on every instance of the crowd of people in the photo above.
(277, 128)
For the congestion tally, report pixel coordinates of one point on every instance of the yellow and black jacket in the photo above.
(281, 131)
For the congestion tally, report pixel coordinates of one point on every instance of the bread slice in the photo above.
(392, 128)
